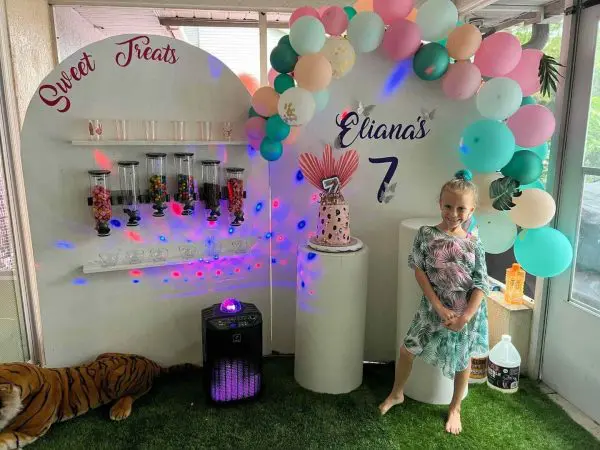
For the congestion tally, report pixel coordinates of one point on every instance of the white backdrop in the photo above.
(156, 313)
(423, 166)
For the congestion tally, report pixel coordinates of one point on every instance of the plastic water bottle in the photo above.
(504, 366)
(515, 285)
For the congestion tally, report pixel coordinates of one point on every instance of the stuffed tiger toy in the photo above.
(32, 398)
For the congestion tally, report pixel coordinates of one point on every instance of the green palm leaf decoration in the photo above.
(502, 192)
(548, 73)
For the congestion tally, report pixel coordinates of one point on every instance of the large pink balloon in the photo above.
(255, 128)
(461, 81)
(532, 125)
(526, 72)
(271, 76)
(335, 20)
(322, 9)
(401, 40)
(498, 54)
(392, 10)
(304, 11)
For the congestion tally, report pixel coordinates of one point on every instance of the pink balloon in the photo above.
(255, 128)
(401, 40)
(304, 11)
(532, 125)
(255, 143)
(461, 81)
(322, 9)
(526, 72)
(271, 76)
(294, 133)
(392, 10)
(335, 20)
(498, 54)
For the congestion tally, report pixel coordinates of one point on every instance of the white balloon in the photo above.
(365, 31)
(436, 18)
(534, 209)
(321, 99)
(496, 231)
(499, 98)
(483, 182)
(296, 106)
(340, 54)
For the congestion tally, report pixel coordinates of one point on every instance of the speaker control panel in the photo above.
(241, 321)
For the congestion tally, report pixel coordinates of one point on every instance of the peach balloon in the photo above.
(412, 16)
(483, 182)
(250, 82)
(363, 5)
(535, 208)
(265, 101)
(313, 72)
(463, 42)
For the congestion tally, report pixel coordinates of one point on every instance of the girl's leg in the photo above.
(403, 368)
(461, 379)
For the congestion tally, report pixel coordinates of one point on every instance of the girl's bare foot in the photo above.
(390, 401)
(453, 425)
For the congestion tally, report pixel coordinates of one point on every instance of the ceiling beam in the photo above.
(469, 6)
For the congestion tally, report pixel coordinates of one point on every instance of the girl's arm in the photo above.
(429, 293)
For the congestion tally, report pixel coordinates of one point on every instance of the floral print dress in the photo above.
(455, 267)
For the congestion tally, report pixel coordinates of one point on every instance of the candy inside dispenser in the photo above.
(235, 194)
(184, 164)
(130, 191)
(211, 189)
(156, 166)
(101, 201)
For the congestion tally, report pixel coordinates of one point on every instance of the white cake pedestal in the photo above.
(331, 303)
(426, 383)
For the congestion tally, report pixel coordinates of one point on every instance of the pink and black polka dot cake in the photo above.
(330, 176)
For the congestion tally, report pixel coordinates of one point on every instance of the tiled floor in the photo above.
(576, 414)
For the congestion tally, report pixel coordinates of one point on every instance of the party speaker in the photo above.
(232, 345)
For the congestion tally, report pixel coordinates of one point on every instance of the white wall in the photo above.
(86, 315)
(73, 31)
(423, 166)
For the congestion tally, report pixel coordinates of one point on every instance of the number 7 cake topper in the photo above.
(327, 174)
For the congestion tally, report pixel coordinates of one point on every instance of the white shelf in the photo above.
(97, 267)
(111, 143)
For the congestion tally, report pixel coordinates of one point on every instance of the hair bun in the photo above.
(464, 174)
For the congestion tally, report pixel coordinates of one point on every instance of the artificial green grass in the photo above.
(174, 415)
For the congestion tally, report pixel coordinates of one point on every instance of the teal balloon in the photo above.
(307, 35)
(524, 166)
(443, 42)
(537, 184)
(365, 31)
(528, 101)
(543, 252)
(321, 99)
(497, 232)
(271, 150)
(283, 58)
(285, 40)
(283, 82)
(431, 61)
(277, 129)
(541, 150)
(350, 12)
(487, 146)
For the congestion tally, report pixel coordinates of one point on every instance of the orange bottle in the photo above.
(515, 285)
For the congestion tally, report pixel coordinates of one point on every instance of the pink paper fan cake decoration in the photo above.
(330, 177)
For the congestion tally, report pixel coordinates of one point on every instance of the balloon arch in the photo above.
(505, 149)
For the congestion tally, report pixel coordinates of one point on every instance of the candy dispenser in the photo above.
(184, 165)
(235, 194)
(211, 189)
(101, 201)
(156, 166)
(130, 191)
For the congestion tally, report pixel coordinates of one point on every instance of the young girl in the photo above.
(451, 322)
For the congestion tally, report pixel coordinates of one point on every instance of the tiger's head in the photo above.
(10, 403)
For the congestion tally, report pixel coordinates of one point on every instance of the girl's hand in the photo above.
(445, 313)
(457, 323)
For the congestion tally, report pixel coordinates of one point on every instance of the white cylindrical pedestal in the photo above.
(426, 383)
(331, 303)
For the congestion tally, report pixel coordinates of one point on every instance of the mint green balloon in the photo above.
(541, 150)
(307, 35)
(431, 61)
(528, 101)
(283, 82)
(499, 98)
(321, 99)
(365, 31)
(276, 129)
(543, 252)
(487, 146)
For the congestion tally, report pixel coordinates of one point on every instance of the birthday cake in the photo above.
(333, 214)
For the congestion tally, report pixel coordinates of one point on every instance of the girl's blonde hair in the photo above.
(462, 182)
